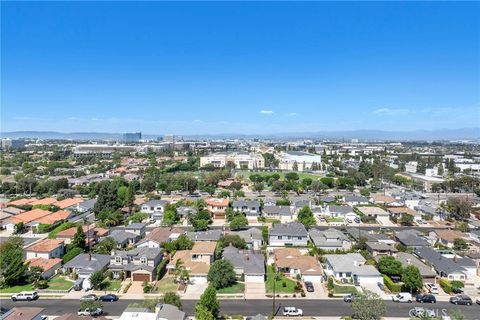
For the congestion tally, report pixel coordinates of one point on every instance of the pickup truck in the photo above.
(292, 311)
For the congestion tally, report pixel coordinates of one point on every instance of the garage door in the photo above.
(316, 279)
(198, 280)
(374, 280)
(140, 277)
(254, 279)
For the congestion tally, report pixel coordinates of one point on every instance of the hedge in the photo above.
(392, 286)
(446, 285)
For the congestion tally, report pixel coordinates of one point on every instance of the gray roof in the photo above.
(246, 203)
(250, 234)
(149, 253)
(442, 265)
(136, 225)
(302, 203)
(328, 238)
(327, 199)
(411, 238)
(380, 246)
(167, 311)
(344, 262)
(355, 199)
(289, 229)
(85, 205)
(84, 264)
(155, 202)
(208, 235)
(185, 211)
(251, 263)
(139, 310)
(340, 209)
(122, 236)
(407, 258)
(277, 210)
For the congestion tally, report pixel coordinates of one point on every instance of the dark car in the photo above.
(396, 279)
(461, 299)
(457, 290)
(349, 297)
(309, 286)
(109, 297)
(426, 298)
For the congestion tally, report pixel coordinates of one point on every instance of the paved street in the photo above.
(252, 307)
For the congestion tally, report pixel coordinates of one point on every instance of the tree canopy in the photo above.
(221, 274)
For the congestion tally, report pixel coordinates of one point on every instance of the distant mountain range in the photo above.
(425, 135)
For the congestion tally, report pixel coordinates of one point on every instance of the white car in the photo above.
(433, 289)
(25, 296)
(90, 312)
(292, 311)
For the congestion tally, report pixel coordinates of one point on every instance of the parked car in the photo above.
(426, 298)
(25, 296)
(461, 299)
(419, 312)
(433, 289)
(402, 297)
(78, 285)
(90, 312)
(89, 297)
(381, 286)
(292, 311)
(309, 286)
(396, 279)
(109, 297)
(349, 297)
(457, 290)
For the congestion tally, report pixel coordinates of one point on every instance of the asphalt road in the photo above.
(252, 307)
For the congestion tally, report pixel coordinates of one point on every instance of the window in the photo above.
(143, 260)
(299, 238)
(118, 259)
(279, 237)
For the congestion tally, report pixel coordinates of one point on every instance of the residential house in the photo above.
(411, 238)
(137, 228)
(251, 208)
(447, 237)
(290, 261)
(157, 236)
(443, 266)
(428, 275)
(83, 207)
(46, 248)
(373, 212)
(288, 234)
(25, 218)
(300, 203)
(84, 265)
(475, 235)
(326, 199)
(217, 207)
(334, 211)
(282, 213)
(52, 219)
(207, 235)
(197, 260)
(397, 212)
(253, 237)
(357, 234)
(384, 200)
(43, 202)
(331, 239)
(162, 312)
(93, 234)
(21, 202)
(155, 208)
(247, 263)
(351, 266)
(49, 266)
(139, 264)
(185, 212)
(124, 238)
(63, 204)
(380, 248)
(267, 202)
(355, 200)
(24, 313)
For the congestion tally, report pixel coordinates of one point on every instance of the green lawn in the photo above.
(335, 219)
(112, 285)
(279, 288)
(337, 289)
(166, 284)
(15, 289)
(236, 288)
(59, 283)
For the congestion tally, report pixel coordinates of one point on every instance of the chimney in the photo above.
(455, 258)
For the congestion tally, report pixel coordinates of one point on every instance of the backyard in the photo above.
(238, 287)
(289, 287)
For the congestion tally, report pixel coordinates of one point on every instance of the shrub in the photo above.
(446, 285)
(330, 285)
(457, 284)
(72, 253)
(127, 287)
(393, 287)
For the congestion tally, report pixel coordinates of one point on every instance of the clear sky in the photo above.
(230, 67)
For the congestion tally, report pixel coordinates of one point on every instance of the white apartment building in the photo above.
(302, 160)
(242, 160)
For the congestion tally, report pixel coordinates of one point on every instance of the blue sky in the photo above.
(230, 67)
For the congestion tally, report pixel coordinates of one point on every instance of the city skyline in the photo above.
(223, 68)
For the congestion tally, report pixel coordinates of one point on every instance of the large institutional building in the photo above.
(302, 160)
(242, 160)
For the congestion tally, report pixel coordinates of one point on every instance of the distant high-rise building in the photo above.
(169, 138)
(12, 144)
(132, 137)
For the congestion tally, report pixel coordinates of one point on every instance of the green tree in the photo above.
(96, 279)
(305, 217)
(12, 269)
(72, 253)
(265, 234)
(202, 313)
(390, 266)
(170, 216)
(137, 217)
(19, 228)
(292, 176)
(459, 244)
(406, 219)
(238, 222)
(105, 246)
(459, 207)
(368, 306)
(173, 299)
(227, 240)
(209, 301)
(79, 239)
(221, 274)
(411, 278)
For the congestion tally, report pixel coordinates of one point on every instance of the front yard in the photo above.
(343, 289)
(166, 284)
(238, 287)
(111, 285)
(15, 289)
(59, 283)
(282, 285)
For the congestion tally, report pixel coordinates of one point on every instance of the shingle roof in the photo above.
(252, 263)
(167, 311)
(208, 235)
(407, 258)
(438, 261)
(344, 262)
(289, 229)
(411, 238)
(84, 264)
(277, 210)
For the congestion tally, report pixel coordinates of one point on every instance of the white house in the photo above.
(351, 266)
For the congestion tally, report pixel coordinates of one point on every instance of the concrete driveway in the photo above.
(319, 291)
(194, 291)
